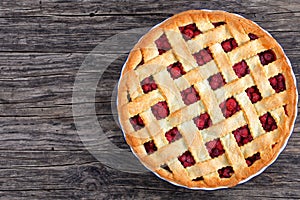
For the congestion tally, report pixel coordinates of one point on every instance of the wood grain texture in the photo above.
(43, 44)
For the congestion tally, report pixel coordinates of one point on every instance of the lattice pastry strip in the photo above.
(185, 114)
(259, 77)
(275, 68)
(180, 50)
(232, 152)
(211, 37)
(143, 102)
(155, 65)
(224, 127)
(271, 102)
(135, 90)
(254, 147)
(268, 138)
(169, 91)
(248, 50)
(234, 87)
(148, 49)
(196, 75)
(167, 153)
(223, 62)
(251, 114)
(210, 101)
(207, 167)
(238, 33)
(207, 99)
(194, 140)
(201, 21)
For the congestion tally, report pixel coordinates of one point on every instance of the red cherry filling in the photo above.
(137, 122)
(186, 159)
(229, 45)
(160, 110)
(189, 31)
(241, 69)
(150, 147)
(229, 107)
(148, 84)
(215, 148)
(176, 70)
(278, 83)
(162, 44)
(268, 122)
(190, 95)
(250, 160)
(216, 81)
(253, 94)
(141, 63)
(252, 36)
(242, 135)
(225, 172)
(285, 110)
(203, 56)
(173, 135)
(203, 121)
(216, 24)
(267, 57)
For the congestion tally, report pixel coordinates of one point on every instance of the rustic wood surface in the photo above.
(43, 44)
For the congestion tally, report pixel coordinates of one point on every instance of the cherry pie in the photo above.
(207, 99)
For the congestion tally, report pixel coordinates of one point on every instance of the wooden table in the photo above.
(44, 43)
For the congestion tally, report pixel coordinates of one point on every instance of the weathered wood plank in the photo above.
(53, 26)
(101, 182)
(85, 7)
(62, 34)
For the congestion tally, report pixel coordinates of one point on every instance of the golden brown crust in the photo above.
(269, 144)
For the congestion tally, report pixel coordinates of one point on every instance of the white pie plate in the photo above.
(250, 177)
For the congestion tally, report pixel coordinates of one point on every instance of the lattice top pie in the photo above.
(207, 99)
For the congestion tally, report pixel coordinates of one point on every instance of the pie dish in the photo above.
(207, 99)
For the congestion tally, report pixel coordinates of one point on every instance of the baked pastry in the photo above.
(207, 99)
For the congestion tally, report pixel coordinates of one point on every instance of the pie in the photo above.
(207, 99)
